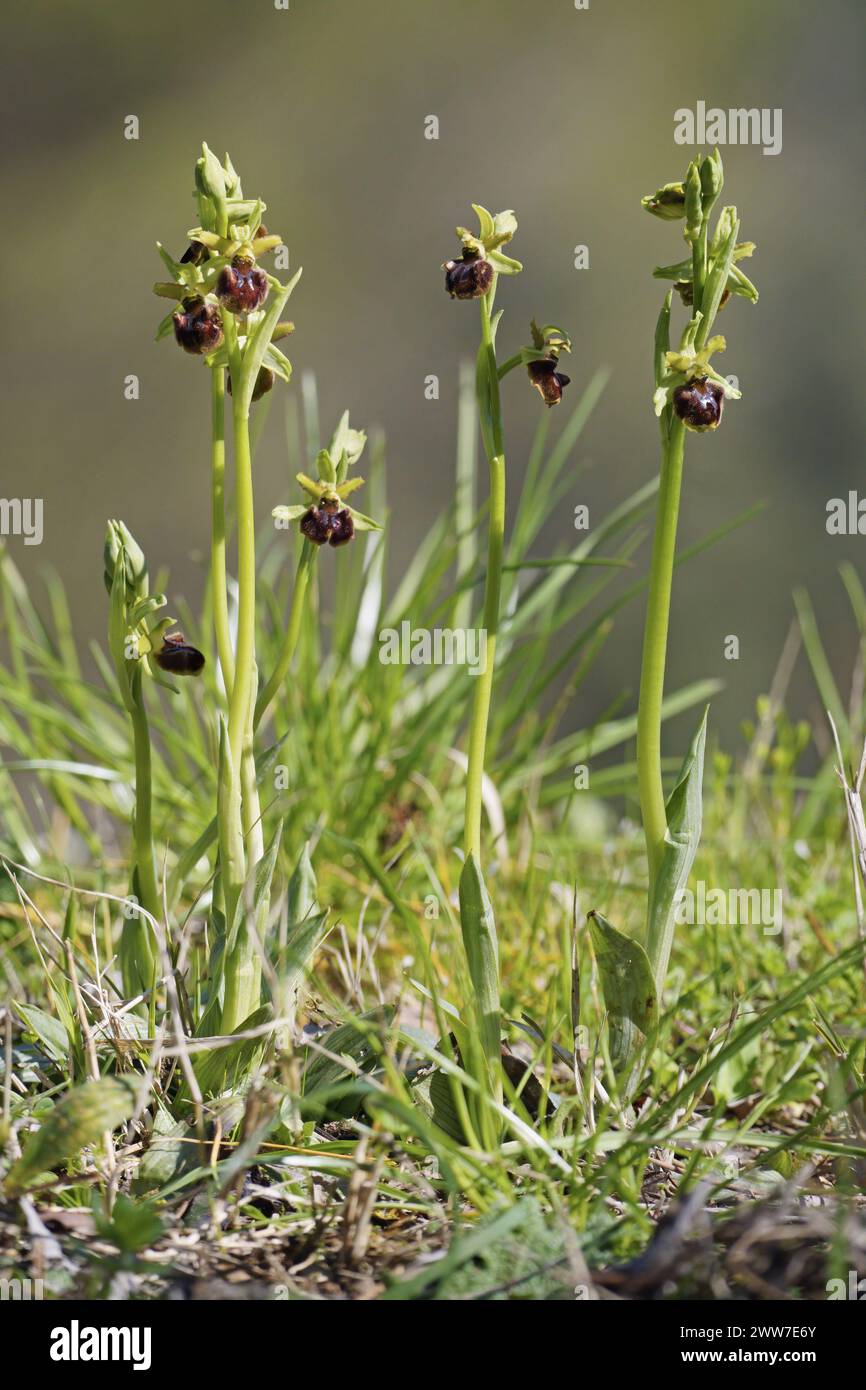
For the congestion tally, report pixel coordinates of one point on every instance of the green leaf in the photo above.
(259, 341)
(482, 953)
(133, 1226)
(684, 813)
(49, 1030)
(324, 1076)
(174, 1146)
(265, 764)
(629, 992)
(663, 339)
(166, 1152)
(292, 967)
(226, 1068)
(278, 363)
(77, 1121)
(256, 894)
(173, 267)
(302, 888)
(437, 1090)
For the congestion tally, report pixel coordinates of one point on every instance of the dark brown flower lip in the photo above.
(547, 380)
(699, 403)
(242, 287)
(179, 657)
(328, 523)
(468, 278)
(198, 327)
(686, 291)
(194, 254)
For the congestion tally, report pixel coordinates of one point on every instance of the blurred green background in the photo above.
(564, 115)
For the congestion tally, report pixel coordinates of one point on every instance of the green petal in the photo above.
(362, 522)
(504, 265)
(485, 220)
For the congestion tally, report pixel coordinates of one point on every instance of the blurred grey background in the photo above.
(566, 116)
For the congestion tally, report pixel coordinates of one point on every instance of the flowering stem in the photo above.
(655, 644)
(291, 634)
(673, 429)
(219, 596)
(243, 968)
(491, 428)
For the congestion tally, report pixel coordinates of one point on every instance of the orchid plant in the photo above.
(689, 397)
(227, 314)
(475, 275)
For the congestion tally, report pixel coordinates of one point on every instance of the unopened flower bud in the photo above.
(712, 176)
(198, 327)
(468, 278)
(547, 380)
(699, 404)
(178, 657)
(242, 287)
(119, 540)
(694, 203)
(668, 202)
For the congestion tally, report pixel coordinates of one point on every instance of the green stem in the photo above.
(219, 594)
(145, 856)
(509, 365)
(243, 968)
(699, 268)
(655, 645)
(137, 929)
(242, 686)
(251, 808)
(291, 634)
(491, 428)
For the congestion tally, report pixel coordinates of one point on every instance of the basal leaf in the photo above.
(482, 954)
(77, 1121)
(225, 1068)
(684, 812)
(629, 991)
(49, 1030)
